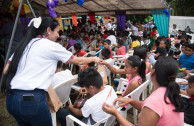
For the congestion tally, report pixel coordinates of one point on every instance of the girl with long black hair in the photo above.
(30, 70)
(164, 107)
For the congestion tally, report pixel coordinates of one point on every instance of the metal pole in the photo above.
(31, 8)
(12, 36)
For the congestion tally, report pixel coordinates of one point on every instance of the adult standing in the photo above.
(173, 31)
(30, 71)
(135, 29)
(164, 106)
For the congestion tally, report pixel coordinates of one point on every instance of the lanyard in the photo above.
(109, 94)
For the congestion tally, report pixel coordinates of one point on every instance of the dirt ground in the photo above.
(5, 118)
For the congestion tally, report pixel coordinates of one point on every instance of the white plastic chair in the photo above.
(122, 84)
(135, 94)
(63, 91)
(108, 72)
(144, 95)
(110, 121)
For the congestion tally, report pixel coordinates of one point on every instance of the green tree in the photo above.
(182, 7)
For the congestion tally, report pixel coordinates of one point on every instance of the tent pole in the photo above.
(13, 33)
(31, 8)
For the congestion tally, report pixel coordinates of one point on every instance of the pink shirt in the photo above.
(167, 116)
(121, 51)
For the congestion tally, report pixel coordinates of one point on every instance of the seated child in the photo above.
(135, 42)
(121, 48)
(106, 56)
(78, 50)
(107, 44)
(189, 103)
(92, 64)
(133, 66)
(161, 49)
(186, 61)
(91, 112)
(61, 75)
(177, 51)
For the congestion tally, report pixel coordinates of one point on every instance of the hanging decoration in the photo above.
(60, 23)
(73, 15)
(51, 4)
(79, 2)
(166, 12)
(91, 17)
(121, 19)
(14, 8)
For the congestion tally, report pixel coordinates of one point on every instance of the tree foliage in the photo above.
(182, 7)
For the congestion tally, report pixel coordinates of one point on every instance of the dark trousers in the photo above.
(61, 115)
(29, 108)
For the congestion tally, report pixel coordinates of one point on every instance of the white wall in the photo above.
(182, 22)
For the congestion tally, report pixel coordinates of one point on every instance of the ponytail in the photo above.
(32, 32)
(172, 93)
(141, 70)
(166, 70)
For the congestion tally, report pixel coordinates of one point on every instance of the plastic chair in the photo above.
(110, 121)
(135, 94)
(144, 95)
(63, 91)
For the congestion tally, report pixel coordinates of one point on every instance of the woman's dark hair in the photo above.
(141, 52)
(32, 32)
(135, 61)
(166, 70)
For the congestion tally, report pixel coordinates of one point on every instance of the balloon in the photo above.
(26, 8)
(80, 2)
(50, 3)
(56, 2)
(52, 12)
(166, 12)
(146, 19)
(16, 3)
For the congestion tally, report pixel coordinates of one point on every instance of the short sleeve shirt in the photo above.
(165, 111)
(93, 106)
(38, 64)
(187, 62)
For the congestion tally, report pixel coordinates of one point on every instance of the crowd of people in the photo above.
(38, 59)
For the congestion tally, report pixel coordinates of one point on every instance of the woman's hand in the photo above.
(122, 101)
(109, 109)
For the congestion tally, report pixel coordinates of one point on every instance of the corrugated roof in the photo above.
(105, 6)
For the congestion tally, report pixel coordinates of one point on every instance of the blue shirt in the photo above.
(187, 62)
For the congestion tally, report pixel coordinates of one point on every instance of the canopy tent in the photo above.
(103, 7)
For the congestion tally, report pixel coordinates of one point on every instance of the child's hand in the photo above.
(83, 90)
(109, 109)
(70, 106)
(187, 71)
(124, 101)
